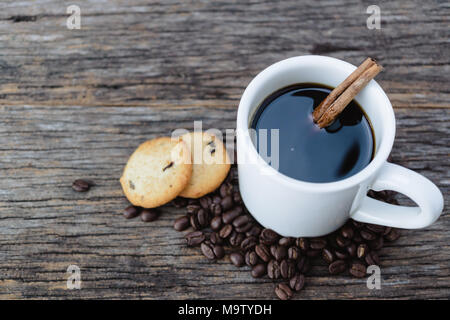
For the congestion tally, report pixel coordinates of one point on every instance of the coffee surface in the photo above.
(306, 152)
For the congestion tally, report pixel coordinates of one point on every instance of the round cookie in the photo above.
(156, 172)
(211, 164)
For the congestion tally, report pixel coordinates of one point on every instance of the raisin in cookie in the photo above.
(210, 164)
(157, 172)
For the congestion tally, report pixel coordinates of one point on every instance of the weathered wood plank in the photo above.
(45, 226)
(187, 61)
(138, 52)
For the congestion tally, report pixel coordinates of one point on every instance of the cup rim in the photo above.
(387, 137)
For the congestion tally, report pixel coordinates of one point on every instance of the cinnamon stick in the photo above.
(340, 97)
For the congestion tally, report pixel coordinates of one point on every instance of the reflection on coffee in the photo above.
(306, 152)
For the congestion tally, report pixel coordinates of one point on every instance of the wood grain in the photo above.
(75, 104)
(132, 52)
(45, 226)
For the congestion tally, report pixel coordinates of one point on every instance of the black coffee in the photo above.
(307, 152)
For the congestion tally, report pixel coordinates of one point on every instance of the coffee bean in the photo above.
(393, 235)
(283, 291)
(367, 235)
(327, 255)
(375, 228)
(393, 201)
(357, 238)
(205, 202)
(251, 258)
(219, 251)
(215, 209)
(194, 222)
(351, 249)
(340, 254)
(255, 231)
(387, 230)
(313, 253)
(302, 243)
(287, 268)
(237, 197)
(182, 223)
(203, 218)
(286, 241)
(358, 270)
(347, 232)
(304, 265)
(237, 259)
(278, 252)
(357, 224)
(215, 238)
(192, 208)
(318, 244)
(380, 195)
(216, 199)
(216, 223)
(236, 238)
(240, 238)
(362, 250)
(232, 214)
(259, 270)
(180, 202)
(207, 250)
(273, 269)
(225, 231)
(80, 185)
(376, 244)
(248, 243)
(149, 215)
(245, 227)
(192, 202)
(342, 242)
(331, 239)
(263, 252)
(241, 221)
(337, 267)
(131, 212)
(226, 189)
(194, 238)
(297, 282)
(268, 236)
(226, 203)
(294, 253)
(372, 258)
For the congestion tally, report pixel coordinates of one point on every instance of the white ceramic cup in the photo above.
(302, 209)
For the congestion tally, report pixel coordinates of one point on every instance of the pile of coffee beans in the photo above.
(221, 225)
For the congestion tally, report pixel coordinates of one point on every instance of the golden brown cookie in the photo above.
(211, 164)
(156, 172)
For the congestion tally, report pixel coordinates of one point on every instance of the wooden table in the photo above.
(75, 104)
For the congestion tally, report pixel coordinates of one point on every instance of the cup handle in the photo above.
(421, 190)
